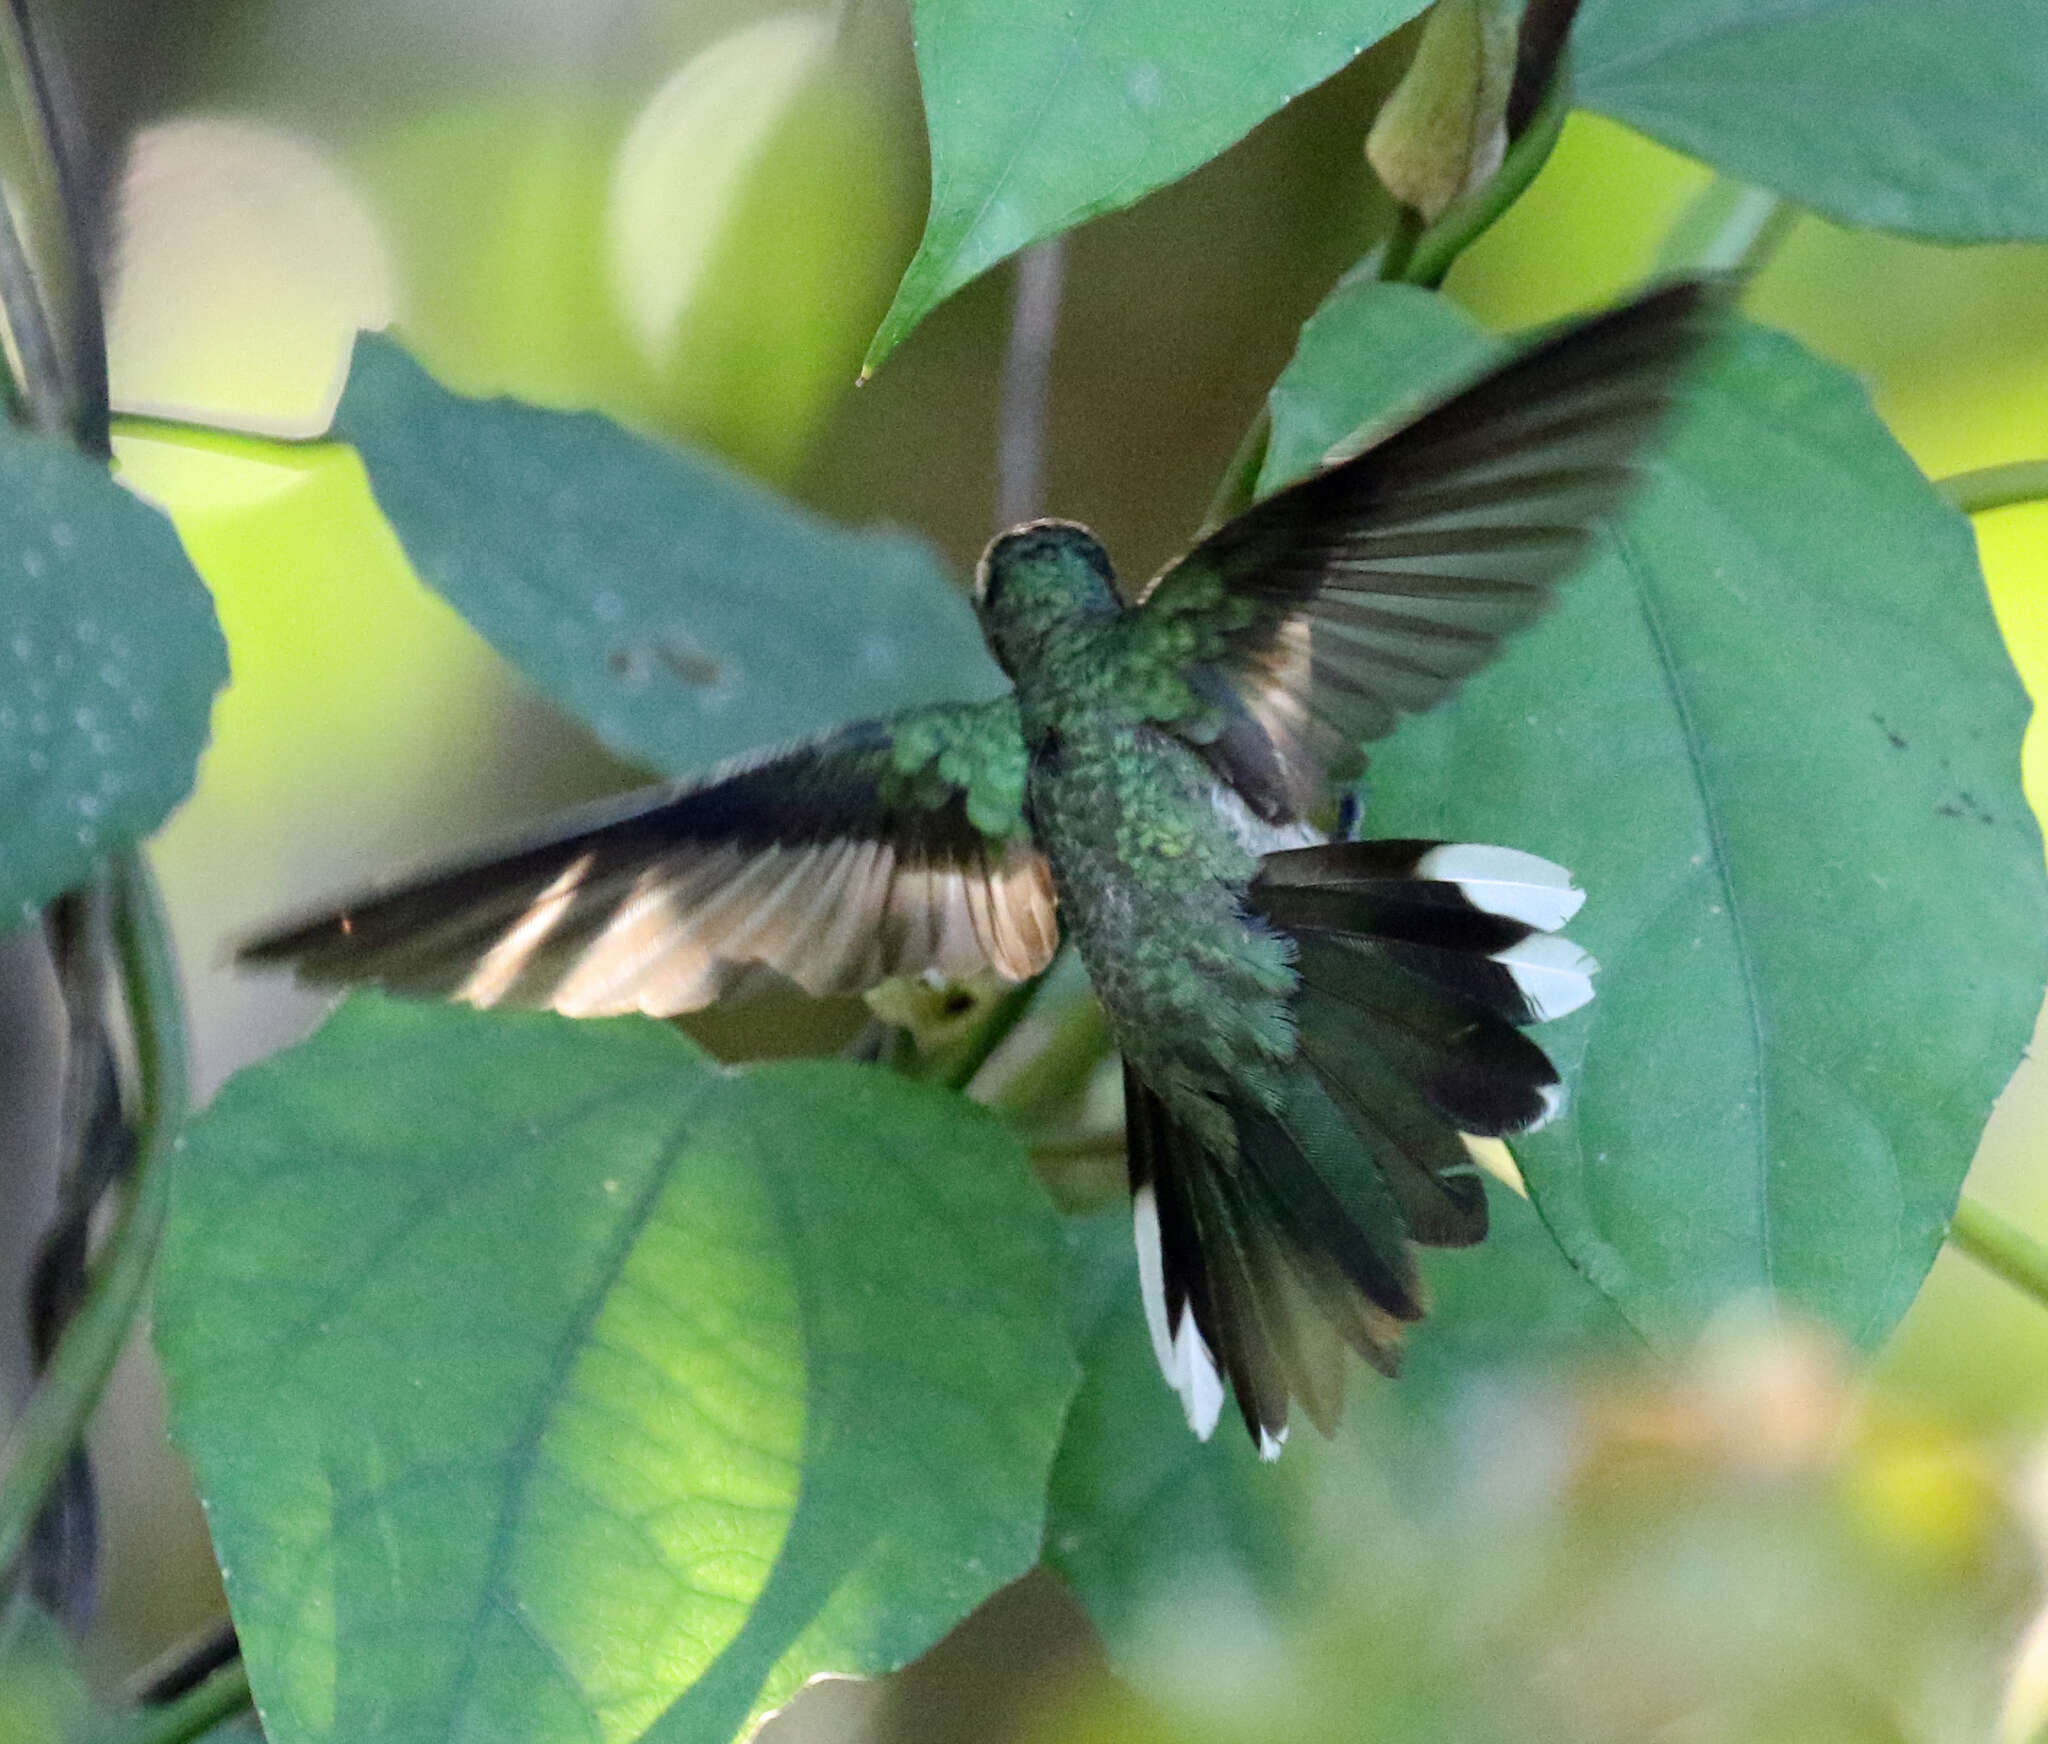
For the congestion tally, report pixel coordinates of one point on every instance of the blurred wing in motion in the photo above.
(888, 848)
(1323, 614)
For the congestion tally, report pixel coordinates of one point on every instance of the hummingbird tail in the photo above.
(1419, 963)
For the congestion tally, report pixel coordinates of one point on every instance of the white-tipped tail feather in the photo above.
(1184, 1356)
(1554, 974)
(1506, 882)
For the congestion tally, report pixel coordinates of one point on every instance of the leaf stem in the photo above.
(1996, 487)
(56, 1414)
(2000, 1246)
(194, 1714)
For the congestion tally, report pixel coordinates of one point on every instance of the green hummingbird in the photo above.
(1307, 1025)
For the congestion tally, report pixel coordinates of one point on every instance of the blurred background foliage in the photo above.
(690, 216)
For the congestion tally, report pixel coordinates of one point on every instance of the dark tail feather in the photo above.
(1418, 962)
(1235, 1287)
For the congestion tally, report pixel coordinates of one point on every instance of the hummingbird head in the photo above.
(1034, 582)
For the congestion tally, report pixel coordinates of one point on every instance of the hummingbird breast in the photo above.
(1152, 872)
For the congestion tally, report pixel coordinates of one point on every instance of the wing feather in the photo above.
(834, 865)
(1374, 588)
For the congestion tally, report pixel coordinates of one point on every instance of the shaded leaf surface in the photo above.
(1776, 735)
(546, 1381)
(1043, 116)
(109, 658)
(667, 603)
(1918, 115)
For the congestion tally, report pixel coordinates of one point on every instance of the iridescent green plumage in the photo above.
(1306, 1027)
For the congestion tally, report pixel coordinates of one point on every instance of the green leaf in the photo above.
(1918, 115)
(545, 1380)
(1043, 116)
(109, 658)
(1776, 735)
(42, 1697)
(1372, 355)
(677, 610)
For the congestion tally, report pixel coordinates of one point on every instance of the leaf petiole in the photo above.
(1996, 487)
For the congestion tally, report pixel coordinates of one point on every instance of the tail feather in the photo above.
(1418, 962)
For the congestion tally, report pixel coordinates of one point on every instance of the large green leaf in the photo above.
(1777, 736)
(545, 1380)
(1919, 115)
(679, 611)
(1042, 116)
(109, 658)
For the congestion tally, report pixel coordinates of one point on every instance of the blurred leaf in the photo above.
(545, 1380)
(1918, 115)
(494, 207)
(1777, 737)
(1139, 1508)
(109, 658)
(1041, 117)
(687, 155)
(793, 274)
(42, 1697)
(677, 610)
(1144, 1518)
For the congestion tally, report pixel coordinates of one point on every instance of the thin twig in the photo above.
(1027, 383)
(1996, 487)
(2000, 1246)
(47, 1430)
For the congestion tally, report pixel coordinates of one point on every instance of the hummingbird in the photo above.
(1307, 1023)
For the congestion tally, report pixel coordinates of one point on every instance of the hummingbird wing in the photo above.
(890, 847)
(1370, 590)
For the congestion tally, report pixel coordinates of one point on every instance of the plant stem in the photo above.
(1060, 1070)
(1464, 220)
(2000, 1246)
(56, 1414)
(194, 1714)
(1730, 227)
(956, 1069)
(1996, 487)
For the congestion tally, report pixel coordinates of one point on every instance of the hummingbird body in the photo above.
(1307, 1027)
(1150, 866)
